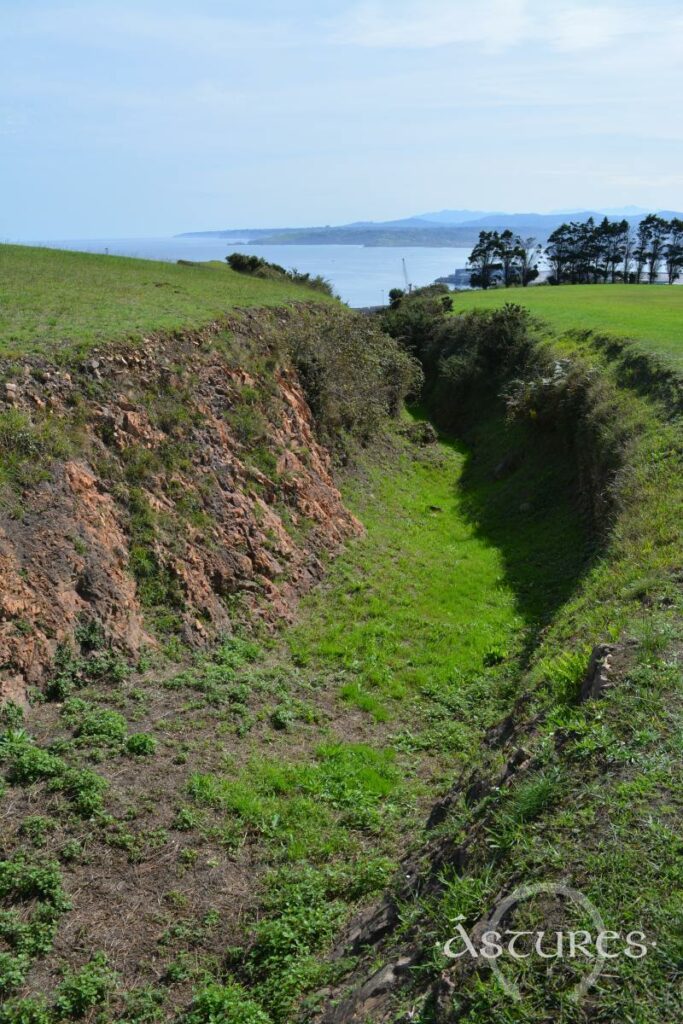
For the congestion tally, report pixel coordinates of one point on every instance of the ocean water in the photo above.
(361, 276)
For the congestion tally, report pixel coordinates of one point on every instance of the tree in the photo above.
(611, 247)
(650, 244)
(508, 253)
(674, 250)
(627, 257)
(559, 252)
(658, 231)
(529, 252)
(482, 259)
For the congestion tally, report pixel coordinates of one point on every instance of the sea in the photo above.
(360, 275)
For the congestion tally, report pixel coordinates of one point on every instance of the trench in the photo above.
(470, 549)
(412, 647)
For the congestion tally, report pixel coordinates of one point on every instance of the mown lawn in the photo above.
(52, 299)
(653, 316)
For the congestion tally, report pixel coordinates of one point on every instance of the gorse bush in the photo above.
(354, 375)
(241, 263)
(478, 350)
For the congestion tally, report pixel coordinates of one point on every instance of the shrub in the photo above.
(102, 724)
(84, 989)
(13, 971)
(225, 1004)
(244, 264)
(26, 447)
(85, 789)
(354, 375)
(25, 1011)
(141, 744)
(21, 880)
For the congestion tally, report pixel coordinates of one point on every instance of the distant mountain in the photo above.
(608, 211)
(455, 216)
(445, 228)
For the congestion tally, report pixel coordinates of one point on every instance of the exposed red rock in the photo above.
(226, 526)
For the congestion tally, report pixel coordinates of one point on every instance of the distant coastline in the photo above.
(445, 229)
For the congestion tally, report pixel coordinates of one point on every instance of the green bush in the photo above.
(225, 1004)
(141, 744)
(84, 989)
(25, 1011)
(26, 447)
(101, 724)
(13, 971)
(244, 264)
(85, 789)
(28, 763)
(354, 375)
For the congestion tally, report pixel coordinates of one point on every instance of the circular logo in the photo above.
(526, 892)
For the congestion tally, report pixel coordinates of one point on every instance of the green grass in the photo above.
(653, 316)
(456, 570)
(421, 597)
(53, 299)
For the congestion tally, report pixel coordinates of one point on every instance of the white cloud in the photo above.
(495, 25)
(414, 25)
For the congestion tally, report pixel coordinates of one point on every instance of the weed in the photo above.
(84, 989)
(141, 744)
(224, 1004)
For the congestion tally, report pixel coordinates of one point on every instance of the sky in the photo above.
(150, 118)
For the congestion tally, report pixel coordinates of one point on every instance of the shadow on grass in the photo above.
(518, 490)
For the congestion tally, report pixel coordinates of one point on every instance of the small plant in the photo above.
(225, 1004)
(84, 989)
(25, 1011)
(282, 718)
(141, 744)
(13, 971)
(102, 724)
(36, 829)
(11, 715)
(85, 789)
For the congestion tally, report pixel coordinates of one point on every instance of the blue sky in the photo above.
(155, 117)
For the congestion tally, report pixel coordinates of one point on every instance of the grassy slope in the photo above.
(52, 299)
(653, 316)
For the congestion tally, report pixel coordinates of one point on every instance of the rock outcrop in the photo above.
(190, 489)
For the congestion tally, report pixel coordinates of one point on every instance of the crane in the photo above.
(409, 286)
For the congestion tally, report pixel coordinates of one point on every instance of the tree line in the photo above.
(583, 252)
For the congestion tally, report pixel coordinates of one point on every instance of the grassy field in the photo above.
(652, 316)
(52, 299)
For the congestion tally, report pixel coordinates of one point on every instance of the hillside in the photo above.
(52, 299)
(651, 316)
(296, 674)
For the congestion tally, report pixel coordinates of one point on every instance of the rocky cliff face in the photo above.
(163, 491)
